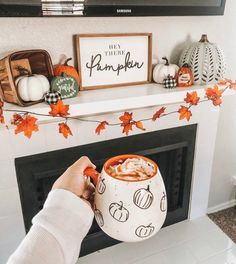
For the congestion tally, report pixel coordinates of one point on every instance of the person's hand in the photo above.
(73, 179)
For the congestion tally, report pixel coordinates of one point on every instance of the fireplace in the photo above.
(172, 149)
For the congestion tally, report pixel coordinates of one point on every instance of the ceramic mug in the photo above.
(129, 211)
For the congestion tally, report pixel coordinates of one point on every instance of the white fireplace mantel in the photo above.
(101, 101)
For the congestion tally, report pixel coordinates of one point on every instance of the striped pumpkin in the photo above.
(143, 198)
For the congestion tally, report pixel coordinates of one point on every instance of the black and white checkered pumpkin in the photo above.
(52, 97)
(169, 82)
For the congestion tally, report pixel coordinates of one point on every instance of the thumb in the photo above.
(81, 164)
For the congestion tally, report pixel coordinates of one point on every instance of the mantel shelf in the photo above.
(101, 101)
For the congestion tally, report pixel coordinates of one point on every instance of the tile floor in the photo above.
(190, 242)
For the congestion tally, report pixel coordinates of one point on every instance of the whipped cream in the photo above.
(132, 169)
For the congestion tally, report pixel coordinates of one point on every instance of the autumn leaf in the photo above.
(127, 128)
(184, 113)
(59, 109)
(101, 127)
(126, 118)
(192, 98)
(25, 124)
(158, 113)
(64, 130)
(127, 122)
(139, 125)
(215, 94)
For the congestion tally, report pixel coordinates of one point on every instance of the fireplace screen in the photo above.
(172, 149)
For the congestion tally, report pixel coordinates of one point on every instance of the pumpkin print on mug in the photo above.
(119, 212)
(163, 203)
(143, 198)
(101, 186)
(99, 217)
(144, 231)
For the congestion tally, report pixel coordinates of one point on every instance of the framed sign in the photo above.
(111, 60)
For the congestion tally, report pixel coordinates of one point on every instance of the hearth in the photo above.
(172, 149)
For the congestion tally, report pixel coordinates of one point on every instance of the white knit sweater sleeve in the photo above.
(57, 231)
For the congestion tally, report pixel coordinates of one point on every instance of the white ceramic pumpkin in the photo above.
(161, 71)
(206, 60)
(32, 87)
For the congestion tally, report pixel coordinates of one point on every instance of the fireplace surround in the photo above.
(172, 149)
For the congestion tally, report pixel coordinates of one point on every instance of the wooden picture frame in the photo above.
(113, 60)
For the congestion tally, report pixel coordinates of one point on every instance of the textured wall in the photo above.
(170, 34)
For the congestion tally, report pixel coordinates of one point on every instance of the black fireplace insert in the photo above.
(172, 149)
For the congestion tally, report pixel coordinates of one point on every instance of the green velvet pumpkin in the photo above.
(66, 85)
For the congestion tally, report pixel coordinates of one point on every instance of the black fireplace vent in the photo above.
(172, 149)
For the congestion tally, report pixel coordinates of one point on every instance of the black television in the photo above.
(35, 8)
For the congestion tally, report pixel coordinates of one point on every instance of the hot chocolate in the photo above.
(131, 169)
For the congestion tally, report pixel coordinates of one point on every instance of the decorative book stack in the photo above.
(62, 8)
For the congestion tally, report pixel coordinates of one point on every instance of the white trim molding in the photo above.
(221, 206)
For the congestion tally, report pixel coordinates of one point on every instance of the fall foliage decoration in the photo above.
(59, 109)
(215, 94)
(158, 113)
(192, 98)
(26, 124)
(64, 130)
(184, 113)
(101, 127)
(127, 123)
(25, 121)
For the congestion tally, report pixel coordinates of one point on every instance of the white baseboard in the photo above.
(221, 206)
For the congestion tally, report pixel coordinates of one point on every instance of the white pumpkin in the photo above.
(161, 71)
(32, 87)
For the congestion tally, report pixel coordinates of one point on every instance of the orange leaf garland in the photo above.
(184, 113)
(158, 113)
(64, 129)
(101, 127)
(192, 98)
(215, 94)
(139, 125)
(59, 109)
(26, 124)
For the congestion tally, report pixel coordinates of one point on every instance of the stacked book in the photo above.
(62, 8)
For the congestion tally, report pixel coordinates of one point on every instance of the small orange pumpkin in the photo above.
(65, 68)
(185, 76)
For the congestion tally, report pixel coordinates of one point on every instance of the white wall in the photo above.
(170, 34)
